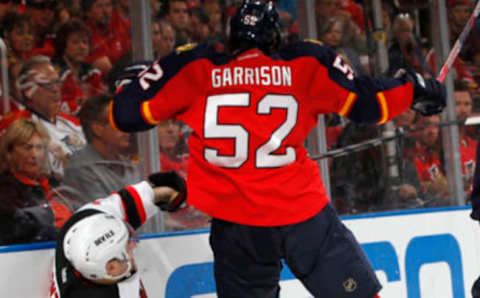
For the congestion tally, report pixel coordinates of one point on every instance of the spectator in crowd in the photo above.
(173, 157)
(42, 13)
(403, 123)
(104, 165)
(331, 33)
(121, 22)
(428, 162)
(163, 36)
(156, 9)
(405, 188)
(80, 80)
(31, 209)
(458, 15)
(458, 70)
(199, 24)
(39, 84)
(404, 51)
(353, 36)
(18, 35)
(176, 12)
(173, 147)
(215, 15)
(107, 46)
(463, 108)
(68, 10)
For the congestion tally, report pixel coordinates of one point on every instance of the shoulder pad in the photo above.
(315, 41)
(185, 47)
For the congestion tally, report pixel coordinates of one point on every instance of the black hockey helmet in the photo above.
(255, 24)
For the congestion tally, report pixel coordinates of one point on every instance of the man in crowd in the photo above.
(42, 13)
(467, 145)
(176, 12)
(105, 164)
(107, 46)
(250, 111)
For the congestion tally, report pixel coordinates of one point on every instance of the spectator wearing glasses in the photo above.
(39, 84)
(18, 35)
(80, 80)
(31, 208)
(42, 13)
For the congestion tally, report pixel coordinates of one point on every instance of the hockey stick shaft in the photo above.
(457, 47)
(474, 120)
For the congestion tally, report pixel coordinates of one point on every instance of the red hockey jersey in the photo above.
(250, 114)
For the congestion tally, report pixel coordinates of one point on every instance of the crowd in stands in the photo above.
(58, 150)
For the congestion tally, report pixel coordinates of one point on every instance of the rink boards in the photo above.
(421, 253)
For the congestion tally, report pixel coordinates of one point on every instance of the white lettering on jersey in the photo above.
(152, 75)
(265, 154)
(275, 75)
(343, 67)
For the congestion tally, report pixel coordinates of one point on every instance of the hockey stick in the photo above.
(457, 47)
(380, 140)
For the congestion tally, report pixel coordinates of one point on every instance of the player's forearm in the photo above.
(126, 113)
(379, 100)
(134, 203)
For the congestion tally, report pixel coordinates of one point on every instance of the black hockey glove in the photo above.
(429, 95)
(173, 180)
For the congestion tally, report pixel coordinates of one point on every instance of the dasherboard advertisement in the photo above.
(416, 254)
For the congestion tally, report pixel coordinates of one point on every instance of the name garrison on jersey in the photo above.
(272, 75)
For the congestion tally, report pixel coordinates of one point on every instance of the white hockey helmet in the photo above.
(94, 241)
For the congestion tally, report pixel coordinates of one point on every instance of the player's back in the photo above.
(248, 163)
(250, 114)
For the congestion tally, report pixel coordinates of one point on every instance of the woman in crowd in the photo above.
(30, 210)
(80, 80)
(331, 33)
(18, 34)
(163, 37)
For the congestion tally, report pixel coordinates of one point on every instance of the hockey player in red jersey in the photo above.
(250, 112)
(94, 253)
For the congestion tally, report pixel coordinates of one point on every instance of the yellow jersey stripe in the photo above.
(147, 114)
(348, 104)
(382, 101)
